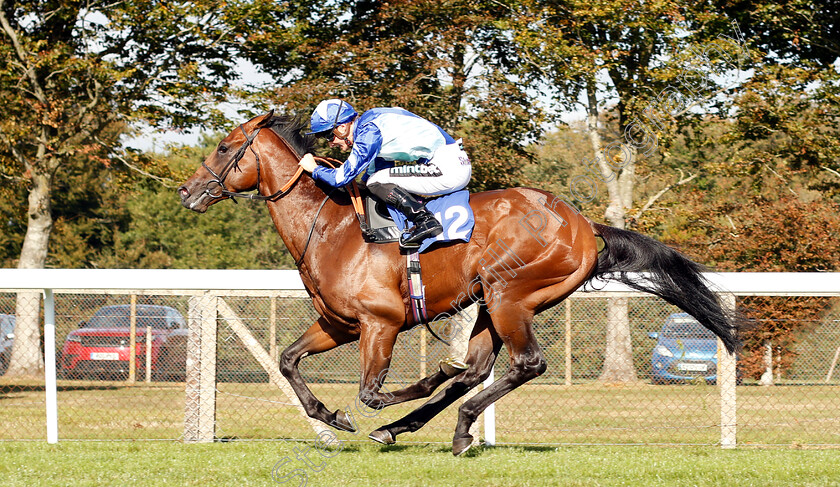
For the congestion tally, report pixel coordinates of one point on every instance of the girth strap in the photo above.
(417, 293)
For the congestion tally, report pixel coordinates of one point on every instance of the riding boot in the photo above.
(425, 224)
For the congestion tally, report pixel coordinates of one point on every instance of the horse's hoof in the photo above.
(452, 367)
(462, 444)
(342, 423)
(382, 436)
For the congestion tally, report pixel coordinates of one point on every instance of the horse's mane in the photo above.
(289, 128)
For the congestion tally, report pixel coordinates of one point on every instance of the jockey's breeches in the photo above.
(447, 171)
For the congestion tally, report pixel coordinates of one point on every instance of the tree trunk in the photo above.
(26, 359)
(459, 79)
(618, 355)
(615, 212)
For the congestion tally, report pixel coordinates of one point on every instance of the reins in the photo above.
(233, 164)
(299, 261)
(355, 197)
(331, 163)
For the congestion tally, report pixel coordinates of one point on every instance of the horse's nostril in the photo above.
(184, 192)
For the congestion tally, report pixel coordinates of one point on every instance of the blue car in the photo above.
(7, 339)
(684, 351)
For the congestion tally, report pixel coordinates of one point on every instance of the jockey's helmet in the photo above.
(329, 114)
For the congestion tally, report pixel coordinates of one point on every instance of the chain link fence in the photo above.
(129, 367)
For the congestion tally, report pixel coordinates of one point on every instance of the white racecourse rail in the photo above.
(49, 280)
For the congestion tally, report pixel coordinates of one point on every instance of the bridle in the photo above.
(233, 165)
(218, 181)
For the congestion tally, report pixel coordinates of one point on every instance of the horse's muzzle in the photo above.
(192, 201)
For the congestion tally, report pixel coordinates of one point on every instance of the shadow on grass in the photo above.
(397, 448)
(475, 451)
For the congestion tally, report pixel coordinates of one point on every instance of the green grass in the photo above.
(251, 463)
(579, 414)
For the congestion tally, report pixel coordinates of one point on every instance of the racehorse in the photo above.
(528, 251)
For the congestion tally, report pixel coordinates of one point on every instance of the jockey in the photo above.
(379, 138)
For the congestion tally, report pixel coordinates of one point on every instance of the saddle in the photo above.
(378, 225)
(381, 223)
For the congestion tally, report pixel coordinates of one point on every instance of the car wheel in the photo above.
(67, 374)
(163, 370)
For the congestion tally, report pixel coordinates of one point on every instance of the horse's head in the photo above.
(231, 168)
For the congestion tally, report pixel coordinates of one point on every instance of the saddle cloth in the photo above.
(452, 211)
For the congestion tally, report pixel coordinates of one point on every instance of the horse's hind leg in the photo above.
(484, 346)
(527, 362)
(420, 389)
(320, 337)
(512, 319)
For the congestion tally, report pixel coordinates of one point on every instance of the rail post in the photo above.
(727, 380)
(50, 385)
(200, 404)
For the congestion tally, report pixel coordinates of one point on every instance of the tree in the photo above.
(789, 30)
(446, 61)
(767, 200)
(73, 74)
(772, 205)
(160, 233)
(621, 58)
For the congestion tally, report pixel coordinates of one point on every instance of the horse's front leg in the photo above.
(320, 337)
(376, 347)
(450, 367)
(420, 389)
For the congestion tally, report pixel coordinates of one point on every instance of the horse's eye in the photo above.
(222, 149)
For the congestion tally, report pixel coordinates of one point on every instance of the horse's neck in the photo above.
(295, 213)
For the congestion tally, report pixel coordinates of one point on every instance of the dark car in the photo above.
(100, 348)
(684, 350)
(7, 339)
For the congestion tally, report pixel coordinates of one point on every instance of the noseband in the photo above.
(218, 181)
(233, 165)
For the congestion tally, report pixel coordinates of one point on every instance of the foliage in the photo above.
(785, 234)
(786, 126)
(74, 73)
(745, 175)
(766, 199)
(789, 30)
(73, 76)
(162, 234)
(763, 158)
(446, 61)
(13, 221)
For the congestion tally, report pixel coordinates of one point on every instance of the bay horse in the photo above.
(529, 250)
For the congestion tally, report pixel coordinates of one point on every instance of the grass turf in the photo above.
(251, 463)
(589, 413)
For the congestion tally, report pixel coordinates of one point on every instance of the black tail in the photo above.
(668, 274)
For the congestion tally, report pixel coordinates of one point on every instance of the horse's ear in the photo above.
(265, 119)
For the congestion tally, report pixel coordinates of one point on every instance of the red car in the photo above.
(99, 349)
